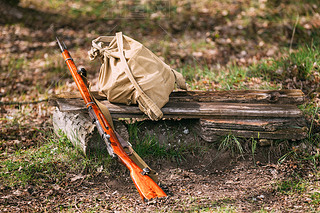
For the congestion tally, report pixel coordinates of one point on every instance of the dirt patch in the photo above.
(199, 183)
(206, 179)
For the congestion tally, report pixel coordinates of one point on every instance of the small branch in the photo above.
(294, 30)
(7, 103)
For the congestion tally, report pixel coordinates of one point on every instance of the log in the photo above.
(83, 134)
(78, 130)
(261, 114)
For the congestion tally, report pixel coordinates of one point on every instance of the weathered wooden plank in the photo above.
(267, 124)
(293, 96)
(212, 134)
(193, 109)
(267, 128)
(213, 109)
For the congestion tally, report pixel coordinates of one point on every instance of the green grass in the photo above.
(292, 186)
(50, 161)
(309, 151)
(34, 165)
(315, 197)
(289, 155)
(232, 77)
(298, 65)
(149, 146)
(253, 149)
(301, 64)
(311, 111)
(231, 143)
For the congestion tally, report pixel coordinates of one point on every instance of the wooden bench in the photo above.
(262, 114)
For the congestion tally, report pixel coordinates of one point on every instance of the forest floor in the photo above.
(216, 45)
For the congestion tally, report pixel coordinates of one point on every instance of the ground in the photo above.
(197, 185)
(216, 45)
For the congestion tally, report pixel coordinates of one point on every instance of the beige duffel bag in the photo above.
(132, 74)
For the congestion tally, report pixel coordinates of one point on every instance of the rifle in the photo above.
(146, 187)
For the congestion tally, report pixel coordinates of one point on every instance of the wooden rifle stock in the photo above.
(146, 187)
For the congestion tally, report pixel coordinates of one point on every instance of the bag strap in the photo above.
(145, 103)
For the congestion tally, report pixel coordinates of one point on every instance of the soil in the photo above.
(210, 182)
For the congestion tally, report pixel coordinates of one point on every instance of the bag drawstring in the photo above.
(98, 51)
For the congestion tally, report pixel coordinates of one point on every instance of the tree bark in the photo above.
(83, 134)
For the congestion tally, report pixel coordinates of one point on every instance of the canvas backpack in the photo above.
(132, 74)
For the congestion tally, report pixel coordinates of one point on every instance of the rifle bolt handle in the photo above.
(82, 71)
(145, 171)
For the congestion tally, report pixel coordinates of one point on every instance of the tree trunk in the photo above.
(83, 134)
